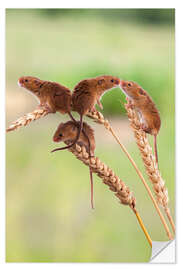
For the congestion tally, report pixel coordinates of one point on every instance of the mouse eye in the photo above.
(60, 135)
(26, 80)
(112, 80)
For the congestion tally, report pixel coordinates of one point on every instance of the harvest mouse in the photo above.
(51, 95)
(148, 113)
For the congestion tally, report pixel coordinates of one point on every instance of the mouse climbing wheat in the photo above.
(51, 95)
(148, 114)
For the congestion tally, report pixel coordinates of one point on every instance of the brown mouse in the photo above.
(87, 93)
(51, 95)
(148, 113)
(67, 132)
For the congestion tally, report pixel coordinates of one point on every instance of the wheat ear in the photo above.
(28, 118)
(99, 118)
(122, 192)
(150, 163)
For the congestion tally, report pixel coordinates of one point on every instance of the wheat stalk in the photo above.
(96, 116)
(122, 192)
(150, 163)
(99, 118)
(28, 118)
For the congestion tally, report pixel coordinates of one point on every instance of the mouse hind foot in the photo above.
(145, 128)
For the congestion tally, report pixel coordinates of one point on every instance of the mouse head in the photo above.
(132, 90)
(30, 83)
(65, 131)
(106, 82)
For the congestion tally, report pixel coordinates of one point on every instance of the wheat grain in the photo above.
(105, 173)
(116, 185)
(150, 164)
(27, 119)
(99, 118)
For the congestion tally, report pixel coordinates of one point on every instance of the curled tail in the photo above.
(155, 148)
(72, 118)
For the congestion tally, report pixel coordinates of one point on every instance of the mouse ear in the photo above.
(100, 81)
(141, 92)
(73, 127)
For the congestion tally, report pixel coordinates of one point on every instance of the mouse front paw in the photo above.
(50, 110)
(129, 105)
(93, 110)
(144, 128)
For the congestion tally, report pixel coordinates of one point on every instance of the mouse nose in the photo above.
(55, 139)
(122, 83)
(118, 81)
(20, 82)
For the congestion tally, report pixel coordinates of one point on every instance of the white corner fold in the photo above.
(163, 252)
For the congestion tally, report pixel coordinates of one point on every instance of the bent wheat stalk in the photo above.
(28, 118)
(150, 163)
(122, 192)
(99, 118)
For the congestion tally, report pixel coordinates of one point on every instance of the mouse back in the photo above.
(88, 91)
(83, 97)
(61, 97)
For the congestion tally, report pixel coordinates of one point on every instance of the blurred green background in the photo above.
(48, 214)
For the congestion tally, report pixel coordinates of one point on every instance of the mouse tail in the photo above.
(92, 192)
(75, 141)
(72, 118)
(155, 148)
(91, 175)
(79, 130)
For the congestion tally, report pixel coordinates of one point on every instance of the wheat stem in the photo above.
(122, 192)
(142, 226)
(27, 119)
(99, 118)
(150, 163)
(167, 211)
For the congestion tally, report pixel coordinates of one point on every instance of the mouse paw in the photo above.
(99, 104)
(129, 105)
(144, 128)
(93, 110)
(50, 110)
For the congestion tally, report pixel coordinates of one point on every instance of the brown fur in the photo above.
(88, 92)
(142, 102)
(52, 95)
(147, 111)
(69, 131)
